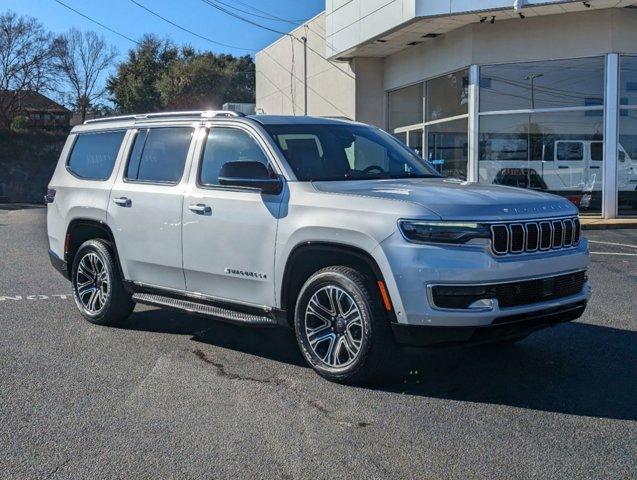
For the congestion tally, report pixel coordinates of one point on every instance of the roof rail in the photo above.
(169, 115)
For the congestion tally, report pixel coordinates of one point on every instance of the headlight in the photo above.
(442, 232)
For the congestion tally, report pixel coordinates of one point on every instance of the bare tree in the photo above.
(82, 58)
(25, 61)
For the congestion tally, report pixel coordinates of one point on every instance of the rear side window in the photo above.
(94, 154)
(597, 151)
(159, 155)
(570, 151)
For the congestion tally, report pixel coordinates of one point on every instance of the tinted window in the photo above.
(405, 106)
(94, 154)
(346, 152)
(227, 145)
(159, 155)
(597, 151)
(570, 151)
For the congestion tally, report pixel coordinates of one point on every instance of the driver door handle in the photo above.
(200, 208)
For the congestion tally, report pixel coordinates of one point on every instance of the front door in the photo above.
(146, 206)
(229, 233)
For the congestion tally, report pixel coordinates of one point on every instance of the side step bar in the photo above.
(190, 306)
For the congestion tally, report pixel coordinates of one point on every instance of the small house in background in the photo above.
(247, 108)
(40, 111)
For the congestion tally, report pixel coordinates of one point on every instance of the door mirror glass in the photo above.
(249, 174)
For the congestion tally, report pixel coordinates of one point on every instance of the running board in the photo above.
(189, 306)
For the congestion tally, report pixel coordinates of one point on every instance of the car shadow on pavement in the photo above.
(278, 344)
(576, 368)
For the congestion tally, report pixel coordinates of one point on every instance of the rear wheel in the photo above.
(340, 326)
(98, 289)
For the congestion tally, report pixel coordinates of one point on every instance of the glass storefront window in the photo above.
(415, 140)
(448, 96)
(628, 81)
(448, 147)
(552, 84)
(627, 148)
(558, 152)
(627, 163)
(405, 106)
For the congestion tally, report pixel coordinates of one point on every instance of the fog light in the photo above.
(483, 304)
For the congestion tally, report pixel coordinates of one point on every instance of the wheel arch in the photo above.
(79, 231)
(309, 257)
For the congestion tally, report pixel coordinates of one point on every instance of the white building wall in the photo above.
(280, 76)
(351, 23)
(572, 35)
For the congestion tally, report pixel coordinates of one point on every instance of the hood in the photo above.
(452, 199)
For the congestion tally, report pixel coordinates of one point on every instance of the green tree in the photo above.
(206, 81)
(134, 86)
(159, 76)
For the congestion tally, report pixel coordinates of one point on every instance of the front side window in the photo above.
(346, 152)
(94, 154)
(227, 145)
(159, 155)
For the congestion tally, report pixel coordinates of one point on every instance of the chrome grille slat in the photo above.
(519, 237)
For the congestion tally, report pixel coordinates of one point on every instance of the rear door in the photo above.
(595, 161)
(145, 211)
(570, 164)
(229, 233)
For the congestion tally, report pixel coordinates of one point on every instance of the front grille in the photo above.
(512, 294)
(513, 238)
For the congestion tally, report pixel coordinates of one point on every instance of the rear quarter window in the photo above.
(93, 155)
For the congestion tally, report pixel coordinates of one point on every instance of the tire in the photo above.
(351, 348)
(98, 289)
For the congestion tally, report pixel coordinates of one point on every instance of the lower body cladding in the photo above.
(465, 294)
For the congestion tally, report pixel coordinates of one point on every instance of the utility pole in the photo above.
(305, 70)
(531, 78)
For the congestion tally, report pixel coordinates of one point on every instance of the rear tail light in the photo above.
(50, 196)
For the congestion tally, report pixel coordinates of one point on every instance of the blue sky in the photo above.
(131, 20)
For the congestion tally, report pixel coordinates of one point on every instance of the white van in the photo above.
(572, 168)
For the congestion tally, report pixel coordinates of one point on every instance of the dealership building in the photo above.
(527, 93)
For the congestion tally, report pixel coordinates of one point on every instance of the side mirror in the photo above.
(250, 174)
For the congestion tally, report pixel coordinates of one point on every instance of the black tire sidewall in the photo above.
(316, 282)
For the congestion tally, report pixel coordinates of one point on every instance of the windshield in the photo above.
(346, 152)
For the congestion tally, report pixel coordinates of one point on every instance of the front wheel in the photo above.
(340, 326)
(98, 289)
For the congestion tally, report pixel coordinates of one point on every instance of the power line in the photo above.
(273, 17)
(243, 19)
(190, 31)
(96, 22)
(268, 17)
(239, 17)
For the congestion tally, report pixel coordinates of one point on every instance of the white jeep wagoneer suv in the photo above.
(332, 227)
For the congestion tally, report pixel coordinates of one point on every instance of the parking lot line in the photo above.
(615, 253)
(613, 243)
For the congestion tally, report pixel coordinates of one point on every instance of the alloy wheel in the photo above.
(334, 326)
(92, 283)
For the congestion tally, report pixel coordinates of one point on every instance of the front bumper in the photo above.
(410, 269)
(59, 264)
(502, 328)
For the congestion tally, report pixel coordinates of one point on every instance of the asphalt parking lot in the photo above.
(176, 396)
